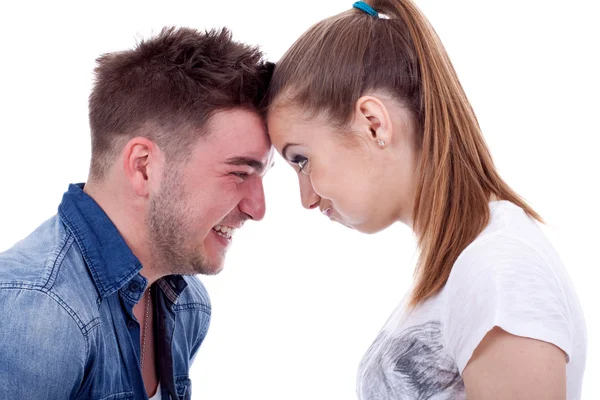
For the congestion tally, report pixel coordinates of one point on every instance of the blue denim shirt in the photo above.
(67, 329)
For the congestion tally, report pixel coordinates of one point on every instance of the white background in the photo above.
(301, 299)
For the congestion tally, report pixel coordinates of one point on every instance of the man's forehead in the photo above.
(236, 136)
(237, 122)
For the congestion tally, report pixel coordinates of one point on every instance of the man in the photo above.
(98, 302)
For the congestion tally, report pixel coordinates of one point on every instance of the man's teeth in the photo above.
(225, 231)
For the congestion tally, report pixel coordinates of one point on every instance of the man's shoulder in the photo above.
(38, 330)
(48, 265)
(28, 261)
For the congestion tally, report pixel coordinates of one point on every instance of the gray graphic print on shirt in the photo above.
(411, 365)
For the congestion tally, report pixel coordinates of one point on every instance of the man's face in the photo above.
(204, 199)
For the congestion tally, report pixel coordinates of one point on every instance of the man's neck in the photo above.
(128, 214)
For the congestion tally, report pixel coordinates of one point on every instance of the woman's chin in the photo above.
(370, 228)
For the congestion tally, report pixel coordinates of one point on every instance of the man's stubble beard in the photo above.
(170, 233)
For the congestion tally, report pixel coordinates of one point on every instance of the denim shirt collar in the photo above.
(109, 259)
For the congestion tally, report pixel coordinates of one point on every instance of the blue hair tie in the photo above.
(361, 5)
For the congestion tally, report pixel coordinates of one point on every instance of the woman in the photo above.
(368, 108)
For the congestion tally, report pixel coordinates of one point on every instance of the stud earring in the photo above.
(381, 143)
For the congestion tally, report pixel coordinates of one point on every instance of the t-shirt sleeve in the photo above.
(503, 282)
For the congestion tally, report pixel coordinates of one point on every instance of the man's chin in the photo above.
(208, 266)
(211, 270)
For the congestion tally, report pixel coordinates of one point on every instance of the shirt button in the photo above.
(131, 324)
(134, 286)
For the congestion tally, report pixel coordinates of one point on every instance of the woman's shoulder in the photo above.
(510, 240)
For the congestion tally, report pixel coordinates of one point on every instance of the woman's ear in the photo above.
(372, 120)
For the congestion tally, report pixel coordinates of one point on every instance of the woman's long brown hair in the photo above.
(348, 55)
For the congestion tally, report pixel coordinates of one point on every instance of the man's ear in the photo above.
(143, 163)
(372, 120)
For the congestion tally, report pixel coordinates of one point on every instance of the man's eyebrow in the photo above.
(285, 149)
(248, 161)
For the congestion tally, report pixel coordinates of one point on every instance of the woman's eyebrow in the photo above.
(285, 149)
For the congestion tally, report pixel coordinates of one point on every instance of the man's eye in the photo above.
(242, 175)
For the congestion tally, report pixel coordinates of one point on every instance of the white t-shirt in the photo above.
(157, 395)
(510, 277)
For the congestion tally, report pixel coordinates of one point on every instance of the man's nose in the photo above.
(253, 203)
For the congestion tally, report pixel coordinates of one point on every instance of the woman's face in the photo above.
(363, 178)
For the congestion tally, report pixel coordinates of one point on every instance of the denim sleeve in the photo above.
(42, 348)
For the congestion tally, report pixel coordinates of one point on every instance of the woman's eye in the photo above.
(301, 162)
